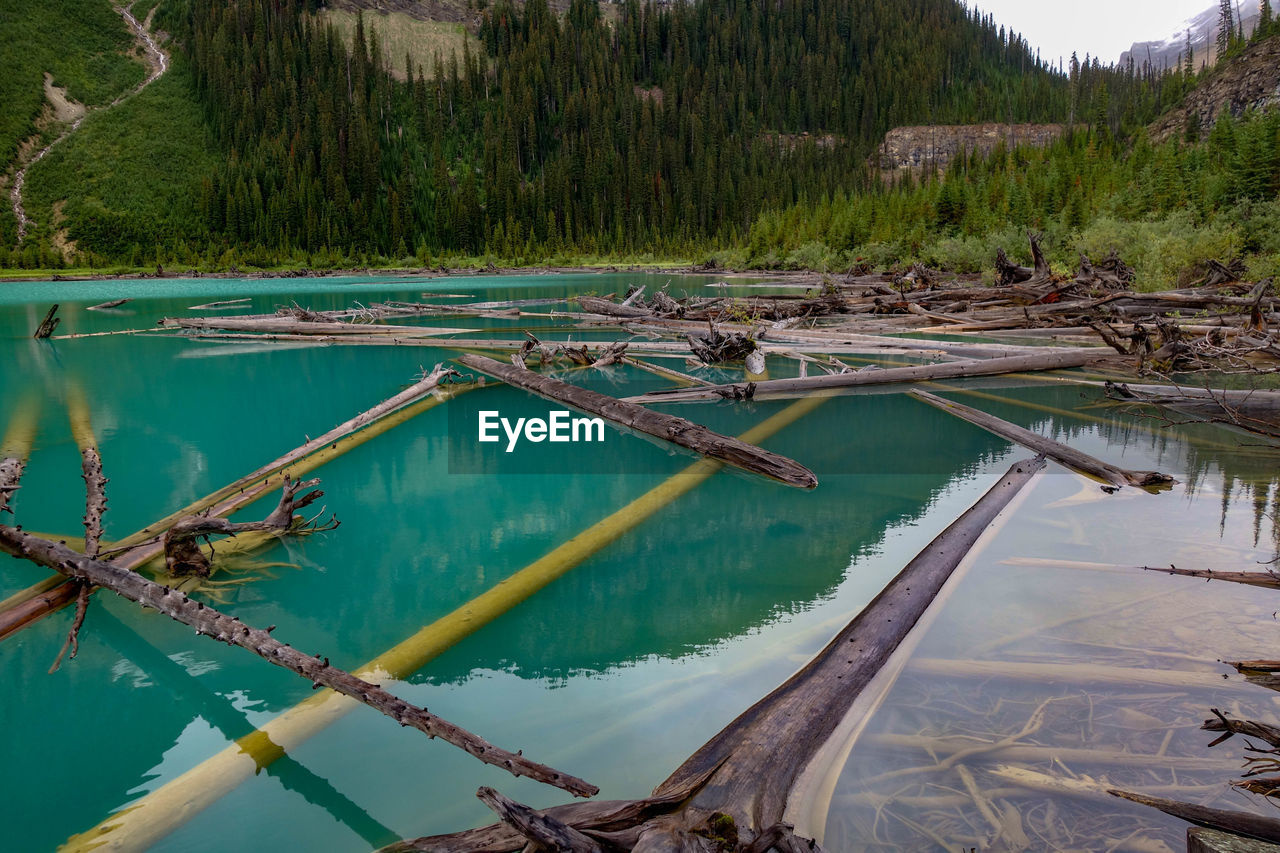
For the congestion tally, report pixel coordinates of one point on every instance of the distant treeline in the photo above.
(671, 129)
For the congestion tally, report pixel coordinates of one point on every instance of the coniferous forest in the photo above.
(716, 128)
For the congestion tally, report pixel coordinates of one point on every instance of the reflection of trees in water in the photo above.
(1201, 455)
(737, 552)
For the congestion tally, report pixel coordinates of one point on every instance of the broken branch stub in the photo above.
(182, 553)
(228, 629)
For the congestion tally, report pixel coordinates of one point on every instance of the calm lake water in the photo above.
(620, 669)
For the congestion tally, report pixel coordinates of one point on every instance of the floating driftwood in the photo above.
(282, 325)
(224, 303)
(208, 621)
(103, 306)
(746, 772)
(1239, 823)
(153, 816)
(775, 388)
(1058, 452)
(667, 427)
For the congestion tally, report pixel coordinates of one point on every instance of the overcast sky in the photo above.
(1102, 28)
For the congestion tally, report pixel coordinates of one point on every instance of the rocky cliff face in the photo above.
(914, 148)
(1250, 80)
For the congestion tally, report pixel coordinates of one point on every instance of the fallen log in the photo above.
(224, 303)
(942, 749)
(659, 370)
(150, 818)
(103, 306)
(543, 832)
(1058, 452)
(1249, 728)
(228, 629)
(1268, 580)
(746, 772)
(281, 325)
(609, 308)
(778, 388)
(660, 425)
(182, 553)
(1255, 411)
(1240, 823)
(34, 603)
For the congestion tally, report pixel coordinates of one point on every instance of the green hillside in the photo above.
(716, 127)
(87, 48)
(130, 178)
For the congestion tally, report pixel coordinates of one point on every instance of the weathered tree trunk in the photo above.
(1058, 452)
(206, 620)
(1222, 723)
(102, 306)
(748, 770)
(777, 388)
(1268, 580)
(1240, 823)
(182, 553)
(1220, 273)
(667, 427)
(300, 327)
(608, 307)
(48, 324)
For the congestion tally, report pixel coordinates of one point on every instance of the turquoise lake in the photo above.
(621, 668)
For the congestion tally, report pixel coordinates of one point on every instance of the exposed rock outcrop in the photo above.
(917, 147)
(1250, 80)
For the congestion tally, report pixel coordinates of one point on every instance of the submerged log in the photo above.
(1269, 580)
(38, 601)
(667, 427)
(1240, 823)
(15, 448)
(775, 388)
(748, 770)
(150, 818)
(1058, 452)
(207, 620)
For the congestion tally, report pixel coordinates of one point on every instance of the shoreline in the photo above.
(415, 272)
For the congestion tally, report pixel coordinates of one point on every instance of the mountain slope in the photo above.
(664, 128)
